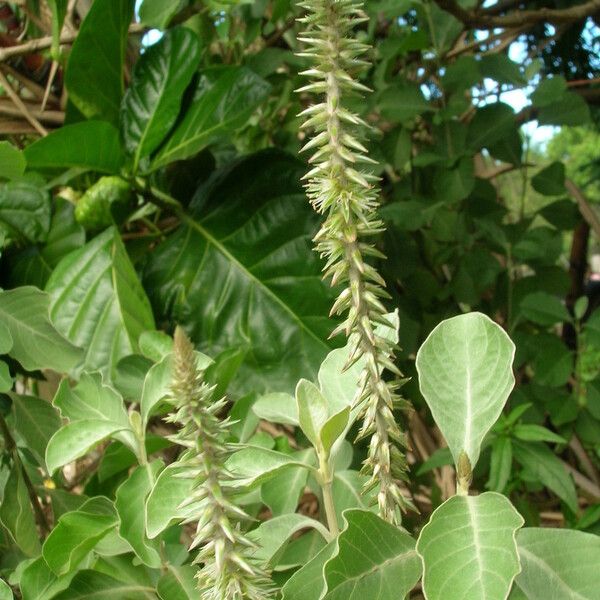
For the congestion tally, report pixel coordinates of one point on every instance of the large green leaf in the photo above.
(558, 564)
(491, 124)
(77, 533)
(178, 583)
(24, 211)
(92, 585)
(12, 161)
(16, 513)
(157, 13)
(465, 375)
(36, 343)
(92, 145)
(5, 591)
(130, 502)
(39, 582)
(94, 74)
(469, 549)
(36, 421)
(364, 562)
(98, 302)
(153, 100)
(225, 97)
(233, 278)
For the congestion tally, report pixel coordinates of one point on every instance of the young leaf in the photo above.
(558, 564)
(130, 501)
(16, 513)
(91, 584)
(77, 533)
(277, 407)
(157, 385)
(500, 464)
(469, 549)
(91, 145)
(225, 97)
(465, 375)
(153, 100)
(363, 563)
(312, 410)
(99, 303)
(36, 344)
(94, 74)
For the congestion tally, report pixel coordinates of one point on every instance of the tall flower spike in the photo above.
(347, 198)
(227, 572)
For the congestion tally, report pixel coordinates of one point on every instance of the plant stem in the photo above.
(325, 481)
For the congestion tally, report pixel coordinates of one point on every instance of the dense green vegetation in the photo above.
(194, 196)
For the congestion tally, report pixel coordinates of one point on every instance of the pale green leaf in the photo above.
(313, 411)
(469, 549)
(308, 583)
(178, 583)
(157, 385)
(92, 585)
(6, 381)
(39, 582)
(277, 407)
(465, 375)
(5, 591)
(155, 345)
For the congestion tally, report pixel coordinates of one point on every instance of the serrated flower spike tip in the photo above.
(344, 194)
(226, 572)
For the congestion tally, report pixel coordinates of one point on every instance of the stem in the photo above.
(325, 478)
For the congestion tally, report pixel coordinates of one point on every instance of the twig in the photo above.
(583, 483)
(587, 465)
(36, 89)
(52, 117)
(588, 213)
(21, 105)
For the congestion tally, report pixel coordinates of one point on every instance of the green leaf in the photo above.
(550, 181)
(94, 74)
(6, 381)
(24, 211)
(569, 109)
(16, 513)
(558, 564)
(224, 98)
(76, 439)
(454, 185)
(157, 385)
(282, 493)
(272, 536)
(153, 100)
(333, 429)
(548, 91)
(308, 583)
(468, 548)
(402, 102)
(12, 161)
(553, 361)
(178, 583)
(59, 11)
(36, 343)
(277, 407)
(502, 69)
(545, 467)
(491, 123)
(252, 236)
(130, 501)
(536, 433)
(348, 492)
(313, 412)
(5, 591)
(363, 563)
(92, 585)
(76, 534)
(39, 582)
(465, 375)
(500, 464)
(253, 465)
(163, 506)
(544, 309)
(155, 345)
(6, 341)
(36, 421)
(129, 375)
(92, 145)
(158, 13)
(98, 302)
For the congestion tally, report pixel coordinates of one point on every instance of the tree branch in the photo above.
(484, 20)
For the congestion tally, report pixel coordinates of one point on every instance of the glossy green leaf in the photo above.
(178, 583)
(224, 98)
(130, 502)
(76, 439)
(272, 536)
(363, 563)
(76, 534)
(469, 549)
(98, 302)
(544, 309)
(558, 564)
(92, 585)
(24, 211)
(12, 161)
(39, 582)
(255, 250)
(542, 465)
(36, 421)
(465, 375)
(158, 13)
(153, 100)
(16, 513)
(5, 591)
(92, 145)
(163, 506)
(36, 343)
(94, 74)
